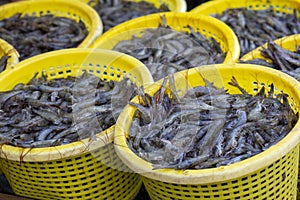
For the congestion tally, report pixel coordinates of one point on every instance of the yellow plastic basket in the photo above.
(205, 25)
(7, 50)
(79, 170)
(288, 43)
(62, 8)
(271, 174)
(217, 7)
(173, 5)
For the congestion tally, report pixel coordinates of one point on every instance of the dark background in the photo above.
(194, 3)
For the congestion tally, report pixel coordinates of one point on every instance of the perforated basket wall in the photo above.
(85, 176)
(271, 174)
(205, 25)
(281, 175)
(75, 10)
(79, 170)
(173, 5)
(289, 43)
(7, 50)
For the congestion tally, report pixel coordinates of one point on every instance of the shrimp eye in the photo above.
(266, 105)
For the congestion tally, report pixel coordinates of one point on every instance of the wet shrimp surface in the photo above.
(60, 111)
(114, 12)
(165, 51)
(32, 35)
(255, 27)
(279, 58)
(3, 62)
(207, 127)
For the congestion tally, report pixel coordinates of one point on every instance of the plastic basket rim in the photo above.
(211, 175)
(205, 7)
(96, 26)
(10, 51)
(232, 40)
(255, 53)
(75, 148)
(180, 5)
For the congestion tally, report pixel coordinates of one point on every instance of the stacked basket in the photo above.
(13, 57)
(271, 174)
(205, 25)
(74, 10)
(7, 50)
(79, 170)
(173, 5)
(289, 43)
(277, 6)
